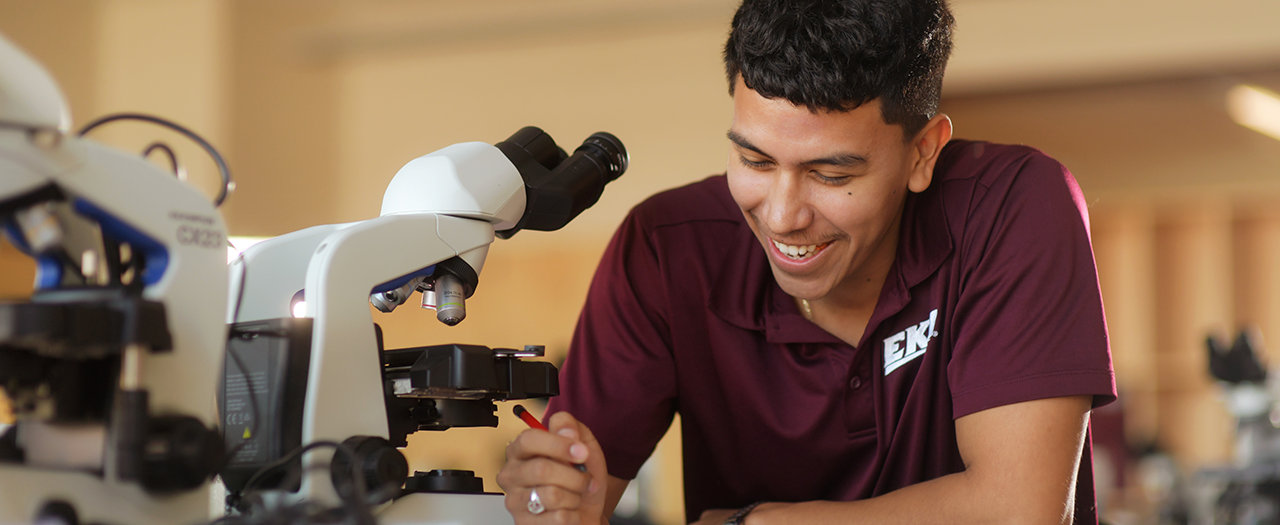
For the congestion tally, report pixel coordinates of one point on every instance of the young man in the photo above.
(861, 322)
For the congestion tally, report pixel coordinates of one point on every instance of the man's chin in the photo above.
(807, 289)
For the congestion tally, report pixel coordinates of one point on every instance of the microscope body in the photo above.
(339, 266)
(439, 216)
(111, 358)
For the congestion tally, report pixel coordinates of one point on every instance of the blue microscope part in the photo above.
(399, 281)
(154, 253)
(48, 272)
(16, 237)
(48, 267)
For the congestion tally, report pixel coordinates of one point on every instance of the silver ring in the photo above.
(535, 503)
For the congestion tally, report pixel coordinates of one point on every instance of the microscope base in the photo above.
(441, 508)
(27, 490)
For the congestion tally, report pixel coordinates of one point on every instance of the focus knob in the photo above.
(379, 462)
(179, 454)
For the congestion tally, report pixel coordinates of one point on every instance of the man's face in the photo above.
(823, 192)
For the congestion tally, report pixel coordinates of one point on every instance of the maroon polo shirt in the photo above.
(992, 299)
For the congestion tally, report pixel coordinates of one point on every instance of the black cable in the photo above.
(292, 455)
(356, 502)
(227, 184)
(244, 371)
(244, 276)
(173, 159)
(248, 381)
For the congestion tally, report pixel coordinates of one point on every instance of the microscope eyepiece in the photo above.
(613, 154)
(555, 194)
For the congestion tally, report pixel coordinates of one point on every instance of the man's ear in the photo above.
(928, 144)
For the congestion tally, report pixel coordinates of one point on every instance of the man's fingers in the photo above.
(546, 472)
(551, 462)
(565, 425)
(536, 443)
(587, 451)
(590, 440)
(556, 498)
(559, 506)
(565, 517)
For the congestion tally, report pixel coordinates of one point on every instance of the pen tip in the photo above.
(518, 410)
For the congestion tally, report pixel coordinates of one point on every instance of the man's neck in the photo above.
(846, 310)
(845, 319)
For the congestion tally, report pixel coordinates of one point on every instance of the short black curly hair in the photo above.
(835, 55)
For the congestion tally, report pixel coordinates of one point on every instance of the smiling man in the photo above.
(862, 321)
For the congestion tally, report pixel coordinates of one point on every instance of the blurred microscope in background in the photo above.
(1246, 492)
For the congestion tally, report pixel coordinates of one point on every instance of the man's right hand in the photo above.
(547, 462)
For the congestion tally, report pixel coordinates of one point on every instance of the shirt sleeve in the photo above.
(1029, 319)
(619, 377)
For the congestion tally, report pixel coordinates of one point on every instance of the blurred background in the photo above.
(1152, 104)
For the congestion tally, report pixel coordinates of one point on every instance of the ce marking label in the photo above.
(236, 418)
(199, 236)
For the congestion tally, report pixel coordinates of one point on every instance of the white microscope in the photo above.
(112, 364)
(109, 364)
(305, 365)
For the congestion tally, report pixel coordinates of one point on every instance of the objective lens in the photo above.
(451, 306)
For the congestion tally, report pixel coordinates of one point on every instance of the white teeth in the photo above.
(796, 252)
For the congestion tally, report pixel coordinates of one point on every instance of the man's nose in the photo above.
(786, 209)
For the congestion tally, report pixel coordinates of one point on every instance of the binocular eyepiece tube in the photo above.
(558, 187)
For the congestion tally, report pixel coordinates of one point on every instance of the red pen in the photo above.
(533, 423)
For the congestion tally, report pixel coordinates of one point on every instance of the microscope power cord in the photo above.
(227, 184)
(356, 506)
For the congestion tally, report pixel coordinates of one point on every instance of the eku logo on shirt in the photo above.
(916, 338)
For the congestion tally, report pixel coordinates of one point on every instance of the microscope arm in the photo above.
(344, 264)
(266, 276)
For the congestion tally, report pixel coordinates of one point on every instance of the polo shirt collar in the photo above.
(746, 295)
(925, 243)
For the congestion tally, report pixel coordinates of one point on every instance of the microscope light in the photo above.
(1255, 108)
(298, 304)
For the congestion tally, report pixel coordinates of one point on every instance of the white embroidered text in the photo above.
(916, 339)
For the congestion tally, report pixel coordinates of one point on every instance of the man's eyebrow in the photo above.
(743, 143)
(842, 160)
(845, 160)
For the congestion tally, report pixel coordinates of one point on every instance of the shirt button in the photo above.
(855, 383)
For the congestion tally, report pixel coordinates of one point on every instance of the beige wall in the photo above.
(317, 103)
(331, 98)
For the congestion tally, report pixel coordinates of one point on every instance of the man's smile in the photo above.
(799, 252)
